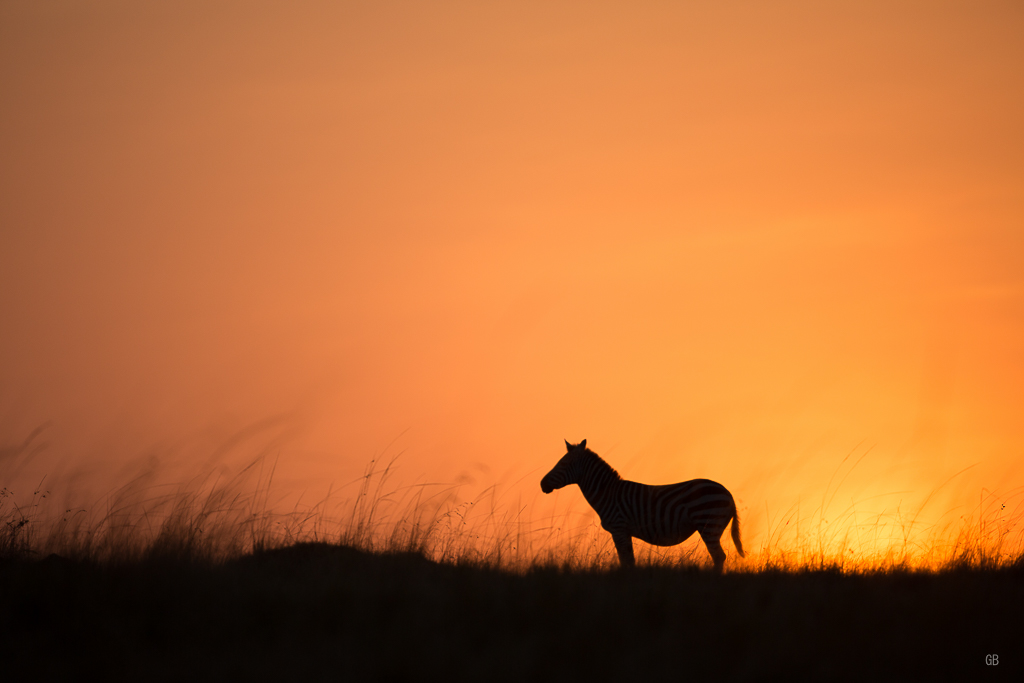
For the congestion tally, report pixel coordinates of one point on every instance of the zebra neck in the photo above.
(598, 483)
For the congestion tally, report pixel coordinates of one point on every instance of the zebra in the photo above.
(660, 515)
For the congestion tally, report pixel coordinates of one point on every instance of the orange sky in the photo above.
(715, 239)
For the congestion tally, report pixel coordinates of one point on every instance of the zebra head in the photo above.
(564, 473)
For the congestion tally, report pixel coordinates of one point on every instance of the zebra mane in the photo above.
(600, 462)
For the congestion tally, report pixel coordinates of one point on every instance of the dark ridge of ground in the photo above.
(320, 612)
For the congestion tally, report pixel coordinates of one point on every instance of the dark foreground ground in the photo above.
(318, 612)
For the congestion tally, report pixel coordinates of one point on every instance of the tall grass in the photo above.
(859, 537)
(212, 519)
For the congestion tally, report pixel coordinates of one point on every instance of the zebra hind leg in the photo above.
(624, 544)
(714, 546)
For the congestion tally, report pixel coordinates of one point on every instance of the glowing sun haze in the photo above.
(717, 240)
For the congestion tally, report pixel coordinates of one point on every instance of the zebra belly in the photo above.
(664, 537)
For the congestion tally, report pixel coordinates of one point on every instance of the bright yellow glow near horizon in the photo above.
(717, 241)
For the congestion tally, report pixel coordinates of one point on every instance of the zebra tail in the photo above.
(736, 533)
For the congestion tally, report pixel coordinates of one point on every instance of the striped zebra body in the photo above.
(660, 515)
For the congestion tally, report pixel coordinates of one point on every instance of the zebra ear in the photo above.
(568, 446)
(583, 444)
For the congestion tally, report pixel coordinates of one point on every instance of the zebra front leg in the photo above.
(624, 544)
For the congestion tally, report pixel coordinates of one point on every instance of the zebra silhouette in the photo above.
(659, 515)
